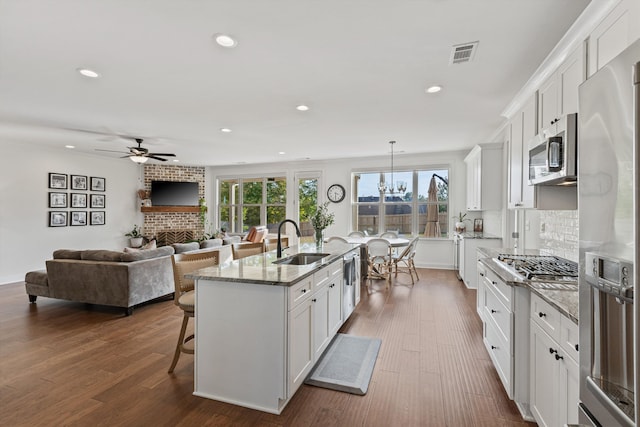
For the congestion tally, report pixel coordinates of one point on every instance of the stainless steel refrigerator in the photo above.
(608, 210)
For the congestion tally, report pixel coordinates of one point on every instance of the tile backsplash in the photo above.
(559, 234)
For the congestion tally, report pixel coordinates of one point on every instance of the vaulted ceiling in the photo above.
(361, 66)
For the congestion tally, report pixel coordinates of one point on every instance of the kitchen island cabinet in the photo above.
(260, 327)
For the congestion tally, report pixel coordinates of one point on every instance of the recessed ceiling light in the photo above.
(176, 160)
(434, 89)
(281, 152)
(225, 130)
(70, 146)
(225, 40)
(302, 108)
(88, 73)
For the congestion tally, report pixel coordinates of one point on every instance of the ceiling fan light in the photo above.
(139, 159)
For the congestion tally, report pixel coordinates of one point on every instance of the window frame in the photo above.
(415, 203)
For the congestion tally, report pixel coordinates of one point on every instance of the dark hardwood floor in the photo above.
(64, 363)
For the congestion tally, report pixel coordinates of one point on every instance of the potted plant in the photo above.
(321, 219)
(135, 237)
(460, 222)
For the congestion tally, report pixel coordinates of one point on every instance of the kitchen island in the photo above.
(260, 326)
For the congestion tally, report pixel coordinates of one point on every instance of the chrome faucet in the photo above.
(279, 247)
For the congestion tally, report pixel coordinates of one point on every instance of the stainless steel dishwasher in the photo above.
(351, 279)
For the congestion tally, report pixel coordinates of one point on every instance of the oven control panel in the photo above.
(611, 275)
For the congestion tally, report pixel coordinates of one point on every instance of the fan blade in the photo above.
(156, 158)
(162, 154)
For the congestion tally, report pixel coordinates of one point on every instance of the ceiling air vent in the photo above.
(463, 53)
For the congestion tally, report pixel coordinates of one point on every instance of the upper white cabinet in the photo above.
(558, 95)
(523, 129)
(617, 31)
(484, 177)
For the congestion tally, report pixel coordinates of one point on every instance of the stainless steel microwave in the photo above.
(553, 159)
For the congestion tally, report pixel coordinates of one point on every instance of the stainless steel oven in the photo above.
(552, 159)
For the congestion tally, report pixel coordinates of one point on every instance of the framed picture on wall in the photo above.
(57, 219)
(78, 218)
(58, 180)
(78, 182)
(98, 184)
(78, 200)
(57, 200)
(97, 201)
(97, 218)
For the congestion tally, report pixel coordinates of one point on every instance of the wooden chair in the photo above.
(356, 234)
(242, 250)
(406, 258)
(379, 260)
(271, 244)
(184, 296)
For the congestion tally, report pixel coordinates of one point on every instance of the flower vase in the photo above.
(319, 238)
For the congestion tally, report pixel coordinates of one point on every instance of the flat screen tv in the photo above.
(171, 193)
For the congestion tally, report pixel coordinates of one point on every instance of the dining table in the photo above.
(395, 242)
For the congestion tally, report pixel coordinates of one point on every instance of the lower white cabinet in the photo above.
(301, 350)
(554, 371)
(482, 273)
(469, 259)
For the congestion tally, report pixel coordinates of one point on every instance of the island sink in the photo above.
(301, 259)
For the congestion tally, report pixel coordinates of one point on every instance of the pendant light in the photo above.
(399, 187)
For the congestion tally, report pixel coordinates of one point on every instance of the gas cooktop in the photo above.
(540, 267)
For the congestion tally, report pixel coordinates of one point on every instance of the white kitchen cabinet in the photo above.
(326, 307)
(523, 129)
(482, 273)
(505, 319)
(616, 31)
(335, 306)
(558, 95)
(301, 351)
(484, 177)
(469, 258)
(554, 370)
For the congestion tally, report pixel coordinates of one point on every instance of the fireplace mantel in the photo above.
(154, 209)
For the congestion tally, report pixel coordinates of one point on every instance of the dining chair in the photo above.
(184, 296)
(337, 238)
(379, 260)
(356, 234)
(271, 243)
(406, 259)
(389, 235)
(243, 250)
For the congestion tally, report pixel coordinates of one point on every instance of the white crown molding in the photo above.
(578, 33)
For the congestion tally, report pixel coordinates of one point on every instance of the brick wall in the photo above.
(161, 221)
(559, 233)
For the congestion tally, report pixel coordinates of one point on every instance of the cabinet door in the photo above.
(473, 181)
(320, 322)
(548, 103)
(300, 344)
(529, 131)
(569, 391)
(515, 163)
(462, 260)
(335, 306)
(571, 74)
(480, 299)
(543, 377)
(613, 34)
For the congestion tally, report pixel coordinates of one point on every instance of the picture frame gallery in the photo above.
(86, 192)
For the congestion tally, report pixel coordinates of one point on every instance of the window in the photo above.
(412, 212)
(245, 202)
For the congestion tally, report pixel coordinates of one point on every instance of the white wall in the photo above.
(435, 253)
(26, 240)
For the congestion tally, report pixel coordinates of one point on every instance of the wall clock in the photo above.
(336, 193)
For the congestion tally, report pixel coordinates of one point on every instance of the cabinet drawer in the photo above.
(569, 337)
(546, 316)
(500, 354)
(300, 292)
(503, 291)
(495, 312)
(335, 268)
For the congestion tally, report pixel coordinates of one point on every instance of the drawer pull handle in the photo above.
(314, 300)
(559, 357)
(541, 314)
(303, 290)
(551, 351)
(482, 274)
(493, 347)
(577, 346)
(494, 282)
(493, 311)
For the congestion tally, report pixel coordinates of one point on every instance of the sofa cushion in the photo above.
(38, 277)
(101, 255)
(138, 255)
(231, 240)
(185, 247)
(67, 254)
(211, 243)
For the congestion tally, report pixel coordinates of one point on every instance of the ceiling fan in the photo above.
(141, 155)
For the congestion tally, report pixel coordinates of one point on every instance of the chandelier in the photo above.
(399, 187)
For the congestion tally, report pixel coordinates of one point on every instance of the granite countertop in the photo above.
(565, 301)
(260, 269)
(472, 235)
